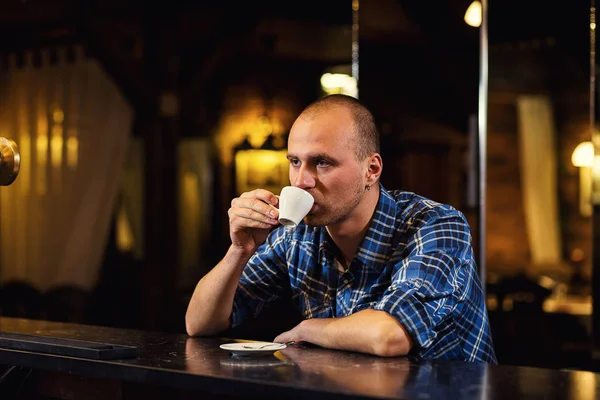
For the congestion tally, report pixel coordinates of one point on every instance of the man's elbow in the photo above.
(392, 342)
(191, 327)
(191, 330)
(194, 327)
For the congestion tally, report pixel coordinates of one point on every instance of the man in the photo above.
(372, 271)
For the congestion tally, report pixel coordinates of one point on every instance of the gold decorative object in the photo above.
(10, 161)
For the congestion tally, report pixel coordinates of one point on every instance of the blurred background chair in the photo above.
(65, 303)
(20, 300)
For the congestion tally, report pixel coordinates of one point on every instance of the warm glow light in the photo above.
(42, 149)
(124, 232)
(72, 151)
(583, 155)
(339, 83)
(259, 168)
(583, 158)
(56, 146)
(473, 14)
(58, 116)
(264, 125)
(25, 173)
(583, 383)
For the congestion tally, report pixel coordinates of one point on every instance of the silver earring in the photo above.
(368, 187)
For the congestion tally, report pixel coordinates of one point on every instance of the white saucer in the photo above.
(252, 349)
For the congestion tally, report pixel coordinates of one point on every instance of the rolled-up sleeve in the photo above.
(263, 279)
(429, 280)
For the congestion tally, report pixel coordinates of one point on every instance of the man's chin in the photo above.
(313, 220)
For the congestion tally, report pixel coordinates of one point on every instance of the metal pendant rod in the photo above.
(482, 119)
(355, 7)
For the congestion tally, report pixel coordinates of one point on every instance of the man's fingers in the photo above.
(250, 218)
(255, 205)
(261, 194)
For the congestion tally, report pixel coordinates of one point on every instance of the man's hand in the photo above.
(367, 331)
(251, 217)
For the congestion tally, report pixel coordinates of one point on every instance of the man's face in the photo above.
(323, 162)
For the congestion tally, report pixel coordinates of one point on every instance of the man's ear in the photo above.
(374, 169)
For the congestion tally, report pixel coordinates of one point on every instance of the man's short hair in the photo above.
(366, 135)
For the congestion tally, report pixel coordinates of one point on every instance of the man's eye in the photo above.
(322, 163)
(294, 162)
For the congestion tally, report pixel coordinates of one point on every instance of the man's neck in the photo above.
(348, 234)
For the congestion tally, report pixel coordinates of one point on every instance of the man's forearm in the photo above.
(210, 307)
(367, 331)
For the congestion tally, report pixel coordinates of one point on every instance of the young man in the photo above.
(385, 273)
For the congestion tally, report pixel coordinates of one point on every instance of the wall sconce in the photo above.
(583, 158)
(473, 14)
(265, 167)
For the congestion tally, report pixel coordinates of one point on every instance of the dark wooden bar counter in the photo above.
(177, 366)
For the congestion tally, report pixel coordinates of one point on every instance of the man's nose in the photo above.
(304, 179)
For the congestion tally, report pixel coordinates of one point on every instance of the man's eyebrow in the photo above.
(314, 157)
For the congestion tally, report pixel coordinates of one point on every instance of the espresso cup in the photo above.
(294, 205)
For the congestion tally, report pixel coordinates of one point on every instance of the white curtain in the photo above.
(537, 150)
(72, 125)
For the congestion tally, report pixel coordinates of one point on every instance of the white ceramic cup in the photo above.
(294, 204)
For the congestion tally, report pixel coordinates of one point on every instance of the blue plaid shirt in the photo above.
(415, 262)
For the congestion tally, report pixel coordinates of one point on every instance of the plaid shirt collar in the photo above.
(378, 244)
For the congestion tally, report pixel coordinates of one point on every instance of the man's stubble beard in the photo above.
(337, 215)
